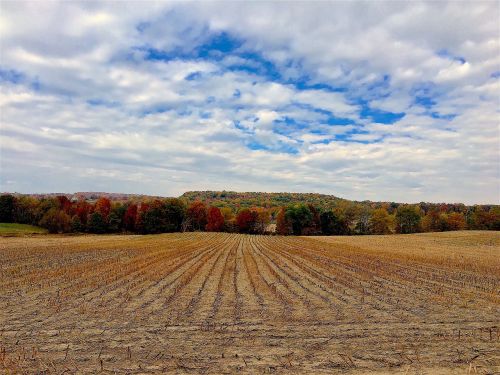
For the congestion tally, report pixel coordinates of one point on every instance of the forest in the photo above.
(252, 213)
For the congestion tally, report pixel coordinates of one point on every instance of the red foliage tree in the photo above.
(64, 203)
(130, 217)
(82, 210)
(245, 220)
(141, 211)
(215, 220)
(197, 215)
(103, 206)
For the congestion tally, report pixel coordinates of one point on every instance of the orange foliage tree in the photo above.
(103, 206)
(282, 224)
(262, 219)
(456, 221)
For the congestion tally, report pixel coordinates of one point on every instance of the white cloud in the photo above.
(83, 108)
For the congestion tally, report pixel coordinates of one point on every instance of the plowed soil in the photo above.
(230, 303)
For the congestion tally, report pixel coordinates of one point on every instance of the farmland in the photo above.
(233, 303)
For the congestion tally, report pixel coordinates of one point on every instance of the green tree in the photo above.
(407, 219)
(96, 223)
(26, 210)
(299, 217)
(77, 225)
(118, 210)
(154, 219)
(332, 224)
(114, 222)
(45, 205)
(7, 204)
(175, 211)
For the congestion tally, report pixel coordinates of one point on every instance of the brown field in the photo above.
(228, 303)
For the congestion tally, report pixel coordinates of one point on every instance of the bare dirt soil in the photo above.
(229, 303)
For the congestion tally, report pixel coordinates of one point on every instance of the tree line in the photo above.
(62, 215)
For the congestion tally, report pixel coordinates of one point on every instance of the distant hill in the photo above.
(236, 200)
(93, 195)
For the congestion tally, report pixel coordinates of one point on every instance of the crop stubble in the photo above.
(227, 303)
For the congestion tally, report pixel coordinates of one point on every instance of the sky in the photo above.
(392, 101)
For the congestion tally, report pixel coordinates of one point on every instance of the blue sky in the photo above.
(365, 100)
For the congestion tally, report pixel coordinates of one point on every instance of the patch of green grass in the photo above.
(14, 229)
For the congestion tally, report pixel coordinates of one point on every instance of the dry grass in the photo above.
(223, 303)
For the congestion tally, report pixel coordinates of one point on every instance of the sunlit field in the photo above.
(227, 303)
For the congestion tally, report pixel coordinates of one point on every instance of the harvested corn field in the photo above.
(231, 303)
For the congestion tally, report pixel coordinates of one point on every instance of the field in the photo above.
(14, 229)
(229, 303)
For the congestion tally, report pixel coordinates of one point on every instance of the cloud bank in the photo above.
(364, 100)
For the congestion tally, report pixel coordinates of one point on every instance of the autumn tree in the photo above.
(25, 211)
(495, 218)
(130, 217)
(82, 210)
(456, 221)
(282, 225)
(483, 218)
(433, 221)
(103, 206)
(245, 220)
(45, 205)
(142, 209)
(346, 212)
(56, 221)
(197, 215)
(215, 220)
(380, 221)
(262, 219)
(64, 203)
(227, 212)
(229, 219)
